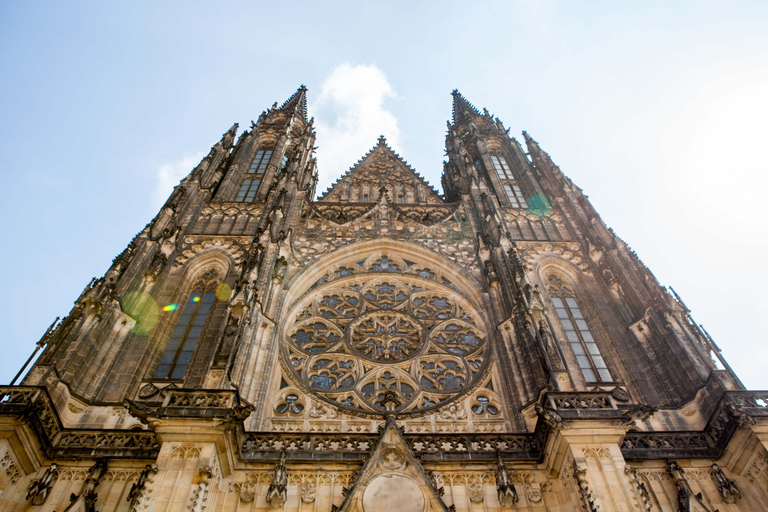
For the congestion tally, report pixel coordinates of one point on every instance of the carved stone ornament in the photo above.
(138, 487)
(476, 492)
(728, 490)
(277, 491)
(588, 501)
(246, 494)
(534, 492)
(550, 417)
(505, 489)
(40, 489)
(308, 492)
(148, 391)
(392, 459)
(454, 411)
(620, 394)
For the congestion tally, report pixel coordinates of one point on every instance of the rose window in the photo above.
(370, 329)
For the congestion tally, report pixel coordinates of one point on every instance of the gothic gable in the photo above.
(392, 480)
(381, 170)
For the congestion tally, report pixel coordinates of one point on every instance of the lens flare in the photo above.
(171, 307)
(196, 299)
(223, 292)
(142, 308)
(540, 205)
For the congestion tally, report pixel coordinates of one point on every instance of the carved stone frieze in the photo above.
(448, 237)
(237, 246)
(533, 252)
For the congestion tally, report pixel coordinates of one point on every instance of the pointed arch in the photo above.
(189, 328)
(561, 285)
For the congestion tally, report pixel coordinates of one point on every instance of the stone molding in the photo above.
(736, 409)
(34, 406)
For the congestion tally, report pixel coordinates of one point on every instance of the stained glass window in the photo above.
(186, 334)
(577, 332)
(511, 188)
(255, 174)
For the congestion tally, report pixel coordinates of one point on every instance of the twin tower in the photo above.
(383, 347)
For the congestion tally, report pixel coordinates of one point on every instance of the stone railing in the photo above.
(35, 407)
(736, 409)
(269, 445)
(585, 401)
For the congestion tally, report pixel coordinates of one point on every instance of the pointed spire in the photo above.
(462, 108)
(297, 102)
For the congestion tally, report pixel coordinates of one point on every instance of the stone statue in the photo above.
(281, 265)
(137, 489)
(89, 493)
(277, 494)
(40, 488)
(504, 486)
(728, 490)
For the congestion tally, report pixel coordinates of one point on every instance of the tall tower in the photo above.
(382, 347)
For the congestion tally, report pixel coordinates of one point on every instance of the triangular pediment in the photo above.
(392, 480)
(381, 170)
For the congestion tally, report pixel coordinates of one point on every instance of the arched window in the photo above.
(181, 346)
(509, 182)
(579, 337)
(254, 176)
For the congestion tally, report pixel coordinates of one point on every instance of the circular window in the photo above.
(369, 334)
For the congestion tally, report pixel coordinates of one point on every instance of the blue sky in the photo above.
(655, 109)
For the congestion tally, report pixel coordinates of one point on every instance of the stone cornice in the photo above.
(33, 405)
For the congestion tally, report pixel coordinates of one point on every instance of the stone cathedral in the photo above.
(383, 347)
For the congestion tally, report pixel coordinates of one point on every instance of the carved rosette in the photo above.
(361, 335)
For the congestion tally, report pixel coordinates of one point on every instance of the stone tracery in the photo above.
(382, 325)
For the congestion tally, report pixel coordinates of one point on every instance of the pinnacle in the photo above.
(462, 107)
(297, 102)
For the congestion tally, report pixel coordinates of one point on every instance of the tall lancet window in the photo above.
(511, 188)
(255, 174)
(579, 337)
(186, 334)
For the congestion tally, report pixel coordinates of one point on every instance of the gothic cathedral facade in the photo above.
(380, 348)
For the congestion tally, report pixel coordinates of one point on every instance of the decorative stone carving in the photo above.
(88, 493)
(620, 394)
(454, 411)
(588, 502)
(728, 490)
(639, 488)
(138, 488)
(148, 391)
(308, 492)
(322, 410)
(685, 495)
(550, 417)
(281, 266)
(505, 489)
(534, 492)
(277, 491)
(476, 492)
(392, 459)
(40, 489)
(737, 412)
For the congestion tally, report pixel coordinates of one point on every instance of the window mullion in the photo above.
(184, 337)
(581, 340)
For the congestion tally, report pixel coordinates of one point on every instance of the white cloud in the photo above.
(350, 114)
(170, 174)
